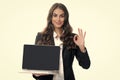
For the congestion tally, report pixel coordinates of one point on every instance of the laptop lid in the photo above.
(40, 57)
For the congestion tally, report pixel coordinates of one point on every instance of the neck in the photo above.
(58, 32)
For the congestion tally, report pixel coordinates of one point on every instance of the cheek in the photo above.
(63, 20)
(53, 20)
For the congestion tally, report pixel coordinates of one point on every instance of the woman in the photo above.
(59, 32)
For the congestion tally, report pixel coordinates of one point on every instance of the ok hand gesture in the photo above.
(79, 40)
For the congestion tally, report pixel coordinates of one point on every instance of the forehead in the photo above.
(58, 11)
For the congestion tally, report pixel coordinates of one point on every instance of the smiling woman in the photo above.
(59, 33)
(58, 18)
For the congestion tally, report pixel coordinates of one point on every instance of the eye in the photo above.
(54, 15)
(62, 15)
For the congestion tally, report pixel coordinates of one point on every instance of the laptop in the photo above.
(40, 59)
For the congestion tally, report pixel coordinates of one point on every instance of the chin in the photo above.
(58, 26)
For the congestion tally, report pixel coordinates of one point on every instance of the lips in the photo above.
(58, 23)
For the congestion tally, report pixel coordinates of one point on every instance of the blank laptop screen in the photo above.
(40, 57)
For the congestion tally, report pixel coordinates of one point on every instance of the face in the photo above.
(58, 18)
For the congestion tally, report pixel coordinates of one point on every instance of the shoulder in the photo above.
(69, 41)
(39, 37)
(72, 35)
(39, 34)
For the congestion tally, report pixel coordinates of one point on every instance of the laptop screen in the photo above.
(40, 57)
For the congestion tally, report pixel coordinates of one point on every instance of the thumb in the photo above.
(75, 38)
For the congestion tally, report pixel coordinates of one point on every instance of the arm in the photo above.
(81, 52)
(83, 58)
(38, 37)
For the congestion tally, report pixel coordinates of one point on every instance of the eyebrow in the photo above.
(60, 14)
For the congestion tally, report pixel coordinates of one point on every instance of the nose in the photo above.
(58, 18)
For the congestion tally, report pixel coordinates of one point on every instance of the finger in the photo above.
(79, 31)
(84, 34)
(39, 74)
(75, 37)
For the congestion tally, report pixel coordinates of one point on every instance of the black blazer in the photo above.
(68, 57)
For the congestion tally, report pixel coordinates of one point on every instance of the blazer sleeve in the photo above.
(83, 58)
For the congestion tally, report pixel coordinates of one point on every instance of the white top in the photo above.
(60, 74)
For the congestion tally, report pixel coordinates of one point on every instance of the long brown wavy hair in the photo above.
(47, 34)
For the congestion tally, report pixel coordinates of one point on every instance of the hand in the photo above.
(39, 74)
(80, 40)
